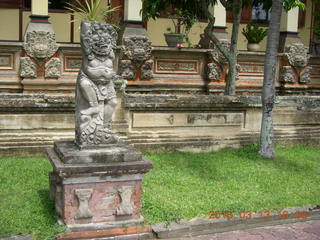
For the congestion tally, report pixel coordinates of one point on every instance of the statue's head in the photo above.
(98, 38)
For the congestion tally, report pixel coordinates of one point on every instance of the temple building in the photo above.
(171, 98)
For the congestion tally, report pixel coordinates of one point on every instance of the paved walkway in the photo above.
(295, 231)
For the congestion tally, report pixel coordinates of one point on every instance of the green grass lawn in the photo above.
(181, 185)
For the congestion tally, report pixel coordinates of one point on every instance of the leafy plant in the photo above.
(183, 13)
(254, 33)
(90, 10)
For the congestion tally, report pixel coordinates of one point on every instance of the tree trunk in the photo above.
(230, 88)
(268, 91)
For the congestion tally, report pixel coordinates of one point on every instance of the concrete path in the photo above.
(296, 231)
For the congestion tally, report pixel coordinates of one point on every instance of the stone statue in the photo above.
(95, 93)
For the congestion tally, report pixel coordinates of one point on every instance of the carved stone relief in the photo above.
(40, 45)
(214, 72)
(53, 68)
(305, 75)
(83, 198)
(297, 55)
(216, 55)
(137, 49)
(146, 70)
(127, 71)
(28, 69)
(287, 75)
(126, 206)
(95, 92)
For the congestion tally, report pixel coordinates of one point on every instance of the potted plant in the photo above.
(182, 21)
(183, 15)
(172, 38)
(254, 35)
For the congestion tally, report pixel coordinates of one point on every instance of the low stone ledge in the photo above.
(119, 233)
(36, 103)
(203, 226)
(142, 166)
(18, 237)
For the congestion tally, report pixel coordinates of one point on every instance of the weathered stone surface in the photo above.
(53, 68)
(18, 237)
(305, 75)
(214, 72)
(40, 44)
(147, 70)
(69, 153)
(187, 119)
(28, 69)
(297, 55)
(114, 168)
(137, 48)
(287, 75)
(95, 93)
(126, 206)
(98, 193)
(216, 55)
(83, 196)
(127, 71)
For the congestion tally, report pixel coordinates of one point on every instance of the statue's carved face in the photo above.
(297, 55)
(137, 48)
(102, 38)
(40, 44)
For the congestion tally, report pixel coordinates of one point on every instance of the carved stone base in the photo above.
(100, 187)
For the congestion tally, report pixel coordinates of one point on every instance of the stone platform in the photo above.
(99, 188)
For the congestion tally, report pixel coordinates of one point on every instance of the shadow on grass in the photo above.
(212, 166)
(47, 207)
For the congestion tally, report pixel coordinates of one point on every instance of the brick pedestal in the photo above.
(96, 189)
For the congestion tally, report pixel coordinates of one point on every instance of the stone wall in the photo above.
(165, 70)
(190, 122)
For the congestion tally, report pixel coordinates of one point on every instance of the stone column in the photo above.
(136, 63)
(289, 28)
(39, 10)
(38, 61)
(220, 25)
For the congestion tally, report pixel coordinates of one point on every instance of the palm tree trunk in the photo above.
(230, 88)
(268, 91)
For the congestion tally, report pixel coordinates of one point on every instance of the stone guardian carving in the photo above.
(28, 69)
(305, 75)
(40, 44)
(137, 49)
(146, 70)
(297, 55)
(287, 75)
(216, 55)
(214, 72)
(53, 68)
(127, 71)
(95, 92)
